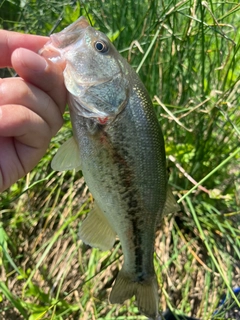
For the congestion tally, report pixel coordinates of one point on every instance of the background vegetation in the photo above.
(187, 54)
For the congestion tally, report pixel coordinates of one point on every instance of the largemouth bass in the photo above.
(118, 144)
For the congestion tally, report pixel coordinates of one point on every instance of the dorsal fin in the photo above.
(171, 204)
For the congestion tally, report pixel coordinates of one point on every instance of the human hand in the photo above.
(31, 106)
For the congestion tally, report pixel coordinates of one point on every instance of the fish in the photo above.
(119, 146)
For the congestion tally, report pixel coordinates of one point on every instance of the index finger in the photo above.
(9, 41)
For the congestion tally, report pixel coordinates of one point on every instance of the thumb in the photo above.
(43, 74)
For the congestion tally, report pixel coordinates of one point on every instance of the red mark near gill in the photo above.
(103, 120)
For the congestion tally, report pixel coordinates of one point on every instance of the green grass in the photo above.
(190, 63)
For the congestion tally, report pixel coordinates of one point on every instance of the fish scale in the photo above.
(120, 149)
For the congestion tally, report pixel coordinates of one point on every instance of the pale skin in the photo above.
(31, 105)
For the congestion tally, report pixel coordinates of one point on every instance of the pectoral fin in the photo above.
(96, 231)
(67, 157)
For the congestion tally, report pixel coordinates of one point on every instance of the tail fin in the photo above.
(146, 293)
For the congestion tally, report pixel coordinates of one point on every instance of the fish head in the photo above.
(95, 74)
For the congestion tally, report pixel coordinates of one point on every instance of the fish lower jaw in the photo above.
(51, 53)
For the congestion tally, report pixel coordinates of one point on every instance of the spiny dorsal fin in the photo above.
(96, 231)
(67, 157)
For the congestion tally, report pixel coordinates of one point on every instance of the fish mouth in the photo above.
(58, 41)
(70, 34)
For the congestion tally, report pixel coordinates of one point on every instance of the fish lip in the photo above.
(69, 34)
(50, 51)
(64, 38)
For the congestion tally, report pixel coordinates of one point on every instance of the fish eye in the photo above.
(101, 46)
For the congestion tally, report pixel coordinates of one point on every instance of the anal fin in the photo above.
(96, 231)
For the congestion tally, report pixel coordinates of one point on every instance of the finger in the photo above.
(16, 160)
(10, 41)
(43, 74)
(11, 168)
(25, 125)
(33, 99)
(21, 152)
